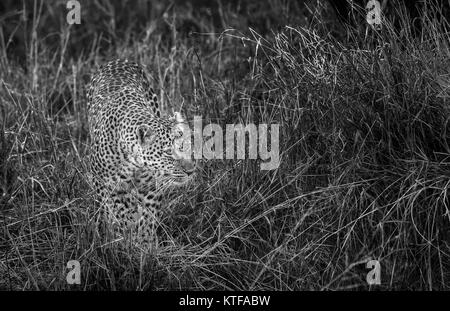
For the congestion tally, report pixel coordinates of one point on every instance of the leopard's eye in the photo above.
(178, 134)
(168, 151)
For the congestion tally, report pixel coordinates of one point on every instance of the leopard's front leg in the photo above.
(148, 222)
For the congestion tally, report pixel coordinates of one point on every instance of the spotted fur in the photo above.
(134, 151)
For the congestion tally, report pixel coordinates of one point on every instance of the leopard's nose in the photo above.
(188, 166)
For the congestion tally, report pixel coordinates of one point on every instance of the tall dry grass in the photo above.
(364, 142)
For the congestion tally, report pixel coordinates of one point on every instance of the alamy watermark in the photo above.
(373, 16)
(373, 277)
(237, 141)
(74, 14)
(74, 274)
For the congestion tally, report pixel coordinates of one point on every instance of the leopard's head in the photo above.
(164, 150)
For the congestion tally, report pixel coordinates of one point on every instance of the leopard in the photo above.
(136, 154)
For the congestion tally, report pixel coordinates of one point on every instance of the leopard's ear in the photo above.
(145, 135)
(177, 118)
